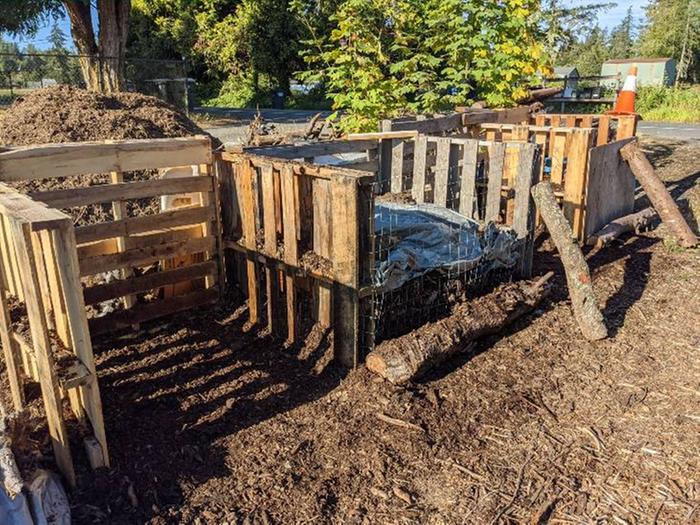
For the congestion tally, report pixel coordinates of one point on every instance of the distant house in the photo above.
(651, 71)
(570, 73)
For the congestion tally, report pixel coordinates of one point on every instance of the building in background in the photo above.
(570, 76)
(651, 71)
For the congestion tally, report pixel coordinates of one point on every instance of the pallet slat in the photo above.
(495, 179)
(147, 223)
(143, 256)
(442, 171)
(147, 312)
(65, 160)
(122, 191)
(143, 283)
(468, 178)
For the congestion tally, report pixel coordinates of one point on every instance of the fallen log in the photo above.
(404, 358)
(659, 196)
(578, 277)
(634, 222)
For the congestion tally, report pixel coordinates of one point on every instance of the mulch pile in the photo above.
(68, 114)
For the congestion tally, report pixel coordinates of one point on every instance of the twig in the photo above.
(399, 422)
(518, 484)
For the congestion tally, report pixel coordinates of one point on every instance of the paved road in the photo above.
(287, 119)
(670, 130)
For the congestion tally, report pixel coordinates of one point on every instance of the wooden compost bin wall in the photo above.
(279, 214)
(45, 258)
(299, 230)
(592, 183)
(39, 267)
(488, 181)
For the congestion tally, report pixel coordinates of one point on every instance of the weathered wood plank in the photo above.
(291, 247)
(146, 312)
(524, 206)
(397, 153)
(442, 171)
(346, 264)
(497, 153)
(122, 191)
(68, 159)
(146, 223)
(9, 348)
(322, 245)
(42, 349)
(143, 283)
(145, 255)
(610, 187)
(67, 262)
(419, 167)
(576, 178)
(467, 188)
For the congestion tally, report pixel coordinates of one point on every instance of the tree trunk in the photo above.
(101, 61)
(578, 277)
(404, 358)
(659, 196)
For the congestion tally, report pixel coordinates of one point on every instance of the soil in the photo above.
(69, 114)
(209, 423)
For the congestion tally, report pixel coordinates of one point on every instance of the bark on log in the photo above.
(634, 222)
(578, 277)
(658, 195)
(404, 358)
(10, 477)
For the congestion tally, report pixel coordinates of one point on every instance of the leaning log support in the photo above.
(658, 195)
(578, 277)
(407, 357)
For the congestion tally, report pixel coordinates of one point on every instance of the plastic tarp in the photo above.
(424, 237)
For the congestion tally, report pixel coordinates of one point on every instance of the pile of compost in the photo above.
(69, 114)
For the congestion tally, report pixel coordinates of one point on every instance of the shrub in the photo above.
(674, 104)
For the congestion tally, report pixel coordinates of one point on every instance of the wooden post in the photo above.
(626, 126)
(50, 389)
(69, 273)
(346, 261)
(248, 211)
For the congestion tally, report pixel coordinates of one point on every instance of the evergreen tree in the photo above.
(622, 38)
(673, 30)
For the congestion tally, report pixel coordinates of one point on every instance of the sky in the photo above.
(606, 19)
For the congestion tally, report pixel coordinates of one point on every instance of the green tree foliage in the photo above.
(622, 41)
(386, 57)
(588, 54)
(673, 30)
(26, 16)
(562, 24)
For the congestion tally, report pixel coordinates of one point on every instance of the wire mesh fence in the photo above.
(21, 73)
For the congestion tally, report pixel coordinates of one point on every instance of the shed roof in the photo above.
(637, 60)
(565, 71)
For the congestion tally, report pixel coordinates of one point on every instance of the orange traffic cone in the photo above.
(624, 105)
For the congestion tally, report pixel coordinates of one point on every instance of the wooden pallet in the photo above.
(49, 265)
(282, 209)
